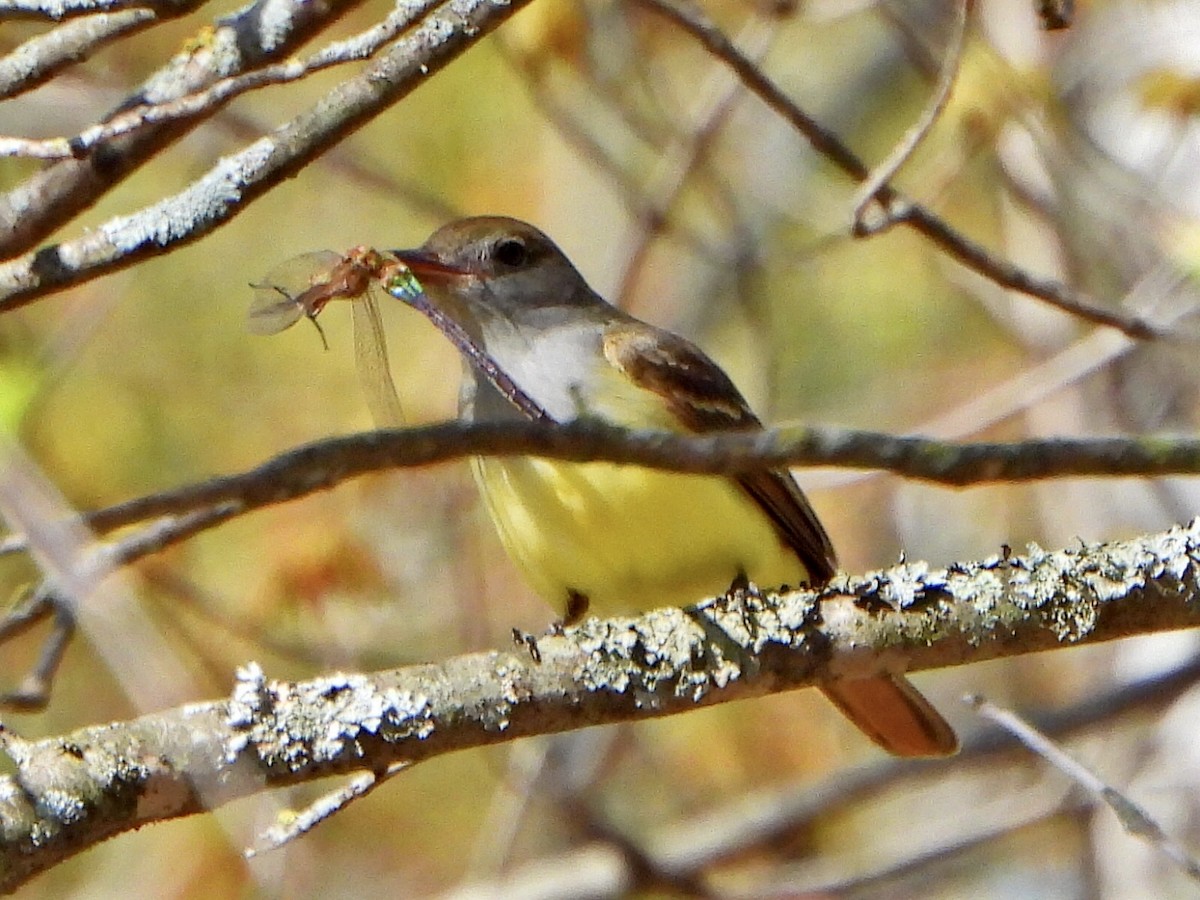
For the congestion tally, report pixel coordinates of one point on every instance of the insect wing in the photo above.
(371, 358)
(290, 291)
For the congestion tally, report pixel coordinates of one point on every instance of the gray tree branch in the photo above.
(54, 195)
(441, 32)
(74, 790)
(324, 464)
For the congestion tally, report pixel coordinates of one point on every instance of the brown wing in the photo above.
(703, 399)
(887, 708)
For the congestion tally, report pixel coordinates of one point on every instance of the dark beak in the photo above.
(427, 266)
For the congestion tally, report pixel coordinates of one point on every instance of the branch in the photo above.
(62, 9)
(214, 97)
(237, 180)
(324, 464)
(772, 815)
(1133, 818)
(42, 57)
(263, 31)
(899, 209)
(75, 790)
(900, 154)
(180, 513)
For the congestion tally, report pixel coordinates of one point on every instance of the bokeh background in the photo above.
(684, 199)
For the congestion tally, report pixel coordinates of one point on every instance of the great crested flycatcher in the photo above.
(619, 538)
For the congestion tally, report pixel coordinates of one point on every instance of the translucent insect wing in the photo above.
(277, 302)
(371, 358)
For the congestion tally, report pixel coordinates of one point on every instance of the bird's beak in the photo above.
(426, 266)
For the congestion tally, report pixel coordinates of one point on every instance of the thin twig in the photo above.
(886, 170)
(83, 585)
(571, 129)
(718, 97)
(900, 210)
(922, 868)
(33, 692)
(1132, 817)
(767, 816)
(167, 532)
(770, 816)
(264, 634)
(301, 823)
(48, 601)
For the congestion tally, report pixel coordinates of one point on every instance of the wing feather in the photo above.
(703, 399)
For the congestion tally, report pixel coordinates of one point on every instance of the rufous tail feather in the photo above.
(892, 713)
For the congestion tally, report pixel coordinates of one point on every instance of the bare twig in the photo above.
(886, 170)
(324, 464)
(966, 251)
(49, 601)
(920, 868)
(83, 585)
(771, 815)
(1132, 817)
(717, 99)
(243, 628)
(571, 129)
(765, 817)
(34, 690)
(298, 824)
(644, 870)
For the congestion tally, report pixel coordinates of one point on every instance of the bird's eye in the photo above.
(511, 252)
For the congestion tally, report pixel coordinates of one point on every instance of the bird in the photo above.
(609, 538)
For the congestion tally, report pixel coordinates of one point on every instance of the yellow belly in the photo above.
(628, 538)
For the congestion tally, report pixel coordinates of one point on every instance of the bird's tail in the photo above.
(893, 713)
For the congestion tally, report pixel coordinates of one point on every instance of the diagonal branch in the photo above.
(215, 96)
(40, 58)
(63, 9)
(900, 210)
(886, 170)
(73, 791)
(235, 181)
(261, 32)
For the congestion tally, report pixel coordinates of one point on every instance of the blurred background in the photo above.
(684, 199)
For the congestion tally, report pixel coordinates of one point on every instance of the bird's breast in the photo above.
(629, 538)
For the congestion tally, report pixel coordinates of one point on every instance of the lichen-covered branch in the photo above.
(55, 194)
(204, 102)
(235, 180)
(40, 58)
(441, 31)
(75, 790)
(62, 9)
